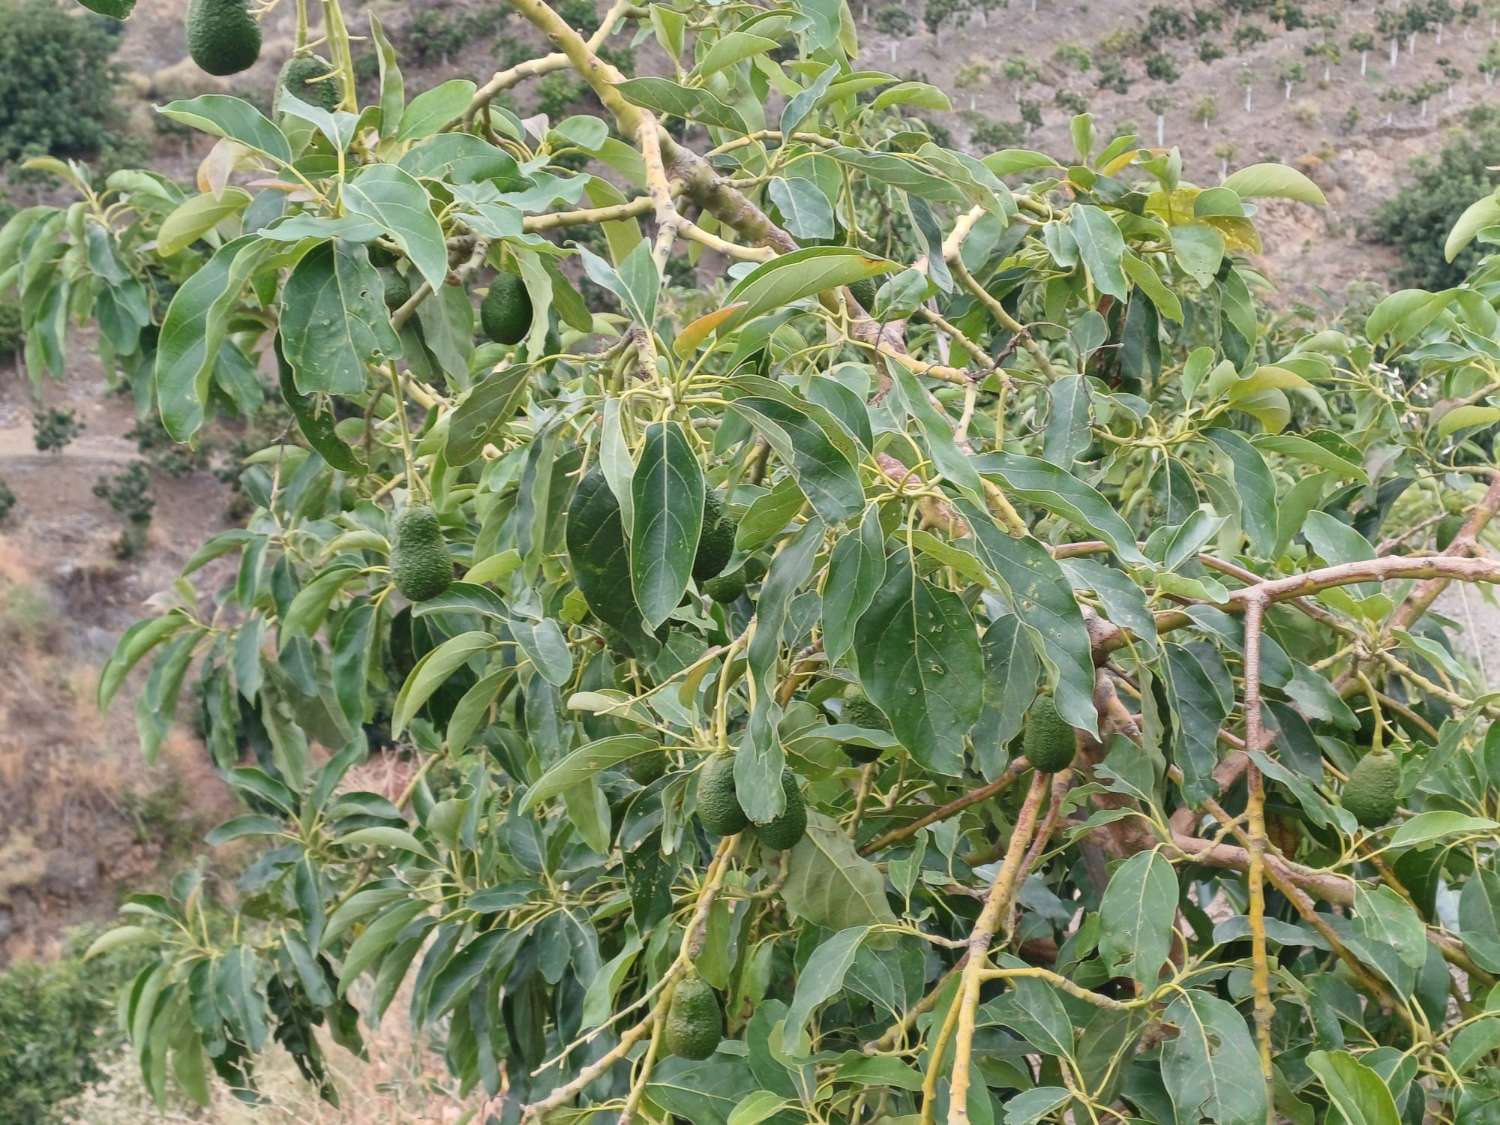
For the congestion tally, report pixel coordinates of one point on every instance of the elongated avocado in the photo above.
(505, 314)
(420, 561)
(726, 587)
(695, 1022)
(789, 827)
(1049, 743)
(223, 38)
(397, 287)
(1370, 792)
(716, 543)
(718, 807)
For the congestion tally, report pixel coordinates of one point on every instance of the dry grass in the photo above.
(403, 1082)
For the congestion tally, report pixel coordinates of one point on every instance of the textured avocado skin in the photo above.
(864, 292)
(297, 79)
(695, 1022)
(1049, 743)
(1370, 792)
(222, 37)
(397, 288)
(505, 314)
(791, 825)
(860, 712)
(420, 559)
(718, 808)
(725, 588)
(716, 543)
(646, 768)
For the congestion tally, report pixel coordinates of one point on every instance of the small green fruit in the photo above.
(1370, 792)
(791, 825)
(306, 78)
(420, 561)
(223, 38)
(1049, 742)
(860, 712)
(643, 769)
(719, 808)
(864, 292)
(716, 543)
(505, 314)
(1447, 530)
(397, 288)
(695, 1022)
(725, 588)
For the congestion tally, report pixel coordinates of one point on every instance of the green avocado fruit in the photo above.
(791, 825)
(718, 807)
(643, 769)
(397, 288)
(1049, 742)
(1447, 530)
(716, 543)
(860, 712)
(725, 588)
(223, 38)
(305, 77)
(864, 292)
(1370, 792)
(695, 1022)
(505, 314)
(419, 559)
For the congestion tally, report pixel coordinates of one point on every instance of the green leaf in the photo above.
(251, 824)
(730, 49)
(667, 498)
(1476, 216)
(802, 273)
(666, 96)
(821, 454)
(1428, 827)
(1274, 180)
(136, 642)
(119, 938)
(856, 569)
(482, 414)
(831, 885)
(334, 322)
(804, 208)
(315, 420)
(114, 9)
(1211, 1069)
(224, 116)
(1060, 492)
(1479, 918)
(579, 767)
(431, 111)
(1471, 1045)
(759, 1106)
(1463, 417)
(432, 671)
(195, 217)
(1042, 599)
(1255, 488)
(1135, 917)
(820, 979)
(194, 329)
(599, 555)
(1102, 248)
(382, 836)
(919, 661)
(1357, 1092)
(1385, 918)
(389, 197)
(1067, 434)
(1031, 1106)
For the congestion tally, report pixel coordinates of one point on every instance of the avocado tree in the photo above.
(919, 665)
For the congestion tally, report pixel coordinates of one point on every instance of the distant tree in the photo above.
(1161, 67)
(1451, 74)
(1364, 43)
(1207, 19)
(1074, 56)
(938, 12)
(1291, 15)
(1249, 35)
(1290, 74)
(1439, 14)
(1206, 110)
(1246, 78)
(1210, 51)
(1225, 152)
(1326, 50)
(1388, 26)
(1020, 73)
(970, 78)
(1489, 66)
(1071, 101)
(1163, 23)
(987, 135)
(897, 22)
(1159, 104)
(1112, 76)
(1031, 113)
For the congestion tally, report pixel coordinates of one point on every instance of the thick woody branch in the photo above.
(1255, 810)
(1012, 771)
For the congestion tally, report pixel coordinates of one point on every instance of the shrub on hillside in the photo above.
(1417, 219)
(57, 80)
(53, 1015)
